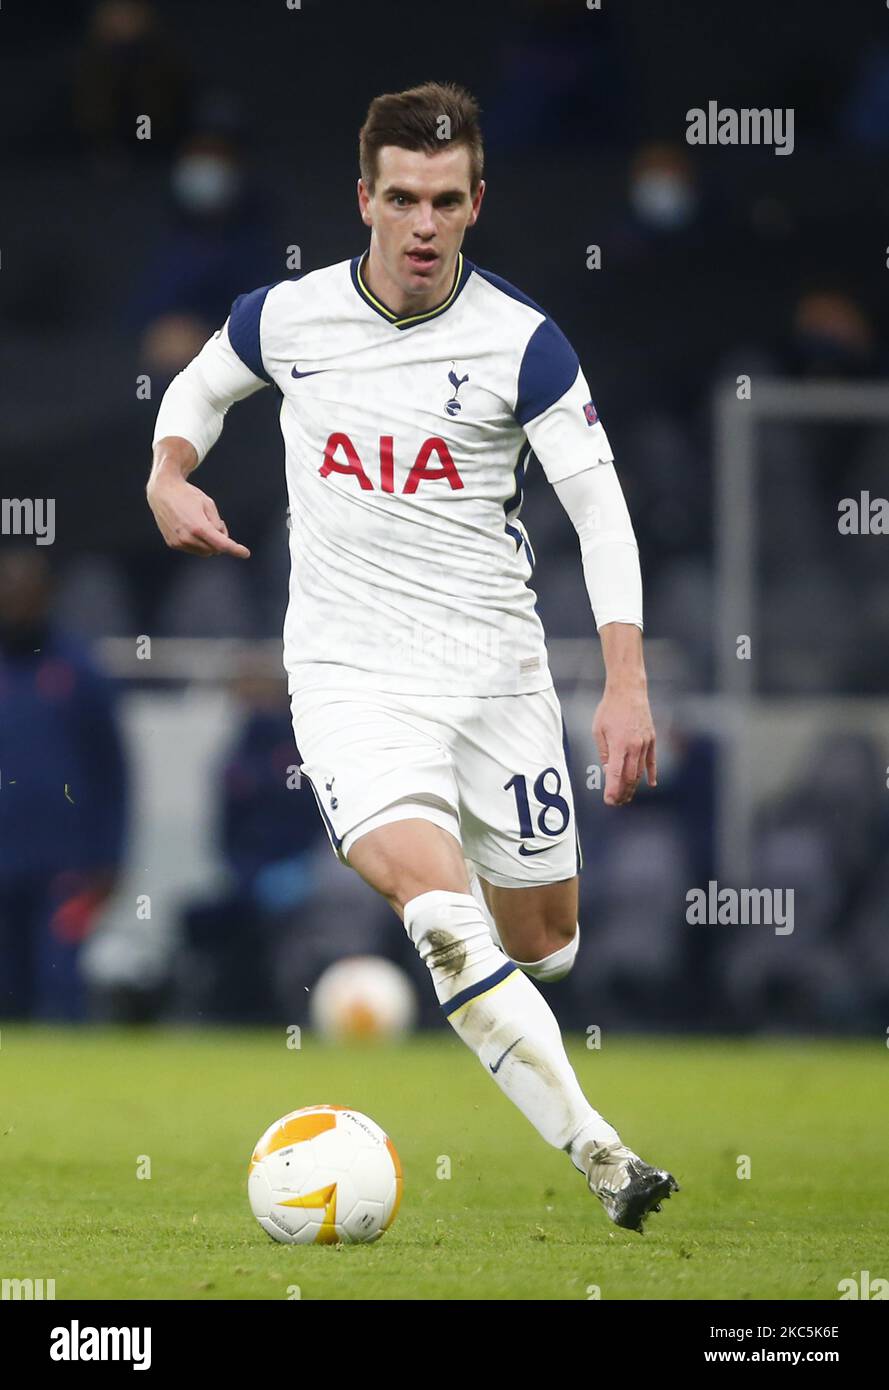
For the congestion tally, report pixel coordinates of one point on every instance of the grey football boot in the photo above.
(627, 1186)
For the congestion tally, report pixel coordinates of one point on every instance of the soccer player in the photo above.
(415, 388)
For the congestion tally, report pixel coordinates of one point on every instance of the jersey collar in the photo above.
(462, 272)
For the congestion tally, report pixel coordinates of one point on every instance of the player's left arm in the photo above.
(622, 727)
(566, 435)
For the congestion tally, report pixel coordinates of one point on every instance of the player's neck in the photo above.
(385, 289)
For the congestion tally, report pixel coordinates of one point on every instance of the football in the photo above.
(362, 998)
(324, 1175)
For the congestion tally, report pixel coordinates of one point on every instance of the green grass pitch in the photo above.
(513, 1221)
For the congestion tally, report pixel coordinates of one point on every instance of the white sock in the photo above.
(554, 966)
(502, 1017)
(590, 1139)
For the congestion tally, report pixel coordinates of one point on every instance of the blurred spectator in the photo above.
(832, 336)
(63, 798)
(665, 205)
(216, 247)
(128, 68)
(562, 78)
(663, 193)
(865, 116)
(663, 293)
(268, 829)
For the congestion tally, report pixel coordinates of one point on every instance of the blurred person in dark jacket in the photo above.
(832, 337)
(63, 797)
(267, 831)
(128, 68)
(556, 81)
(216, 242)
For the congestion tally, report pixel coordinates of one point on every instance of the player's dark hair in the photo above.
(429, 118)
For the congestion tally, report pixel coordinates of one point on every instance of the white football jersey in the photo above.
(407, 441)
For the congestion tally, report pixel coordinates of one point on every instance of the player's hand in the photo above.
(189, 520)
(625, 738)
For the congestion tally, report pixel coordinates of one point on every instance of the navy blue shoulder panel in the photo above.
(243, 329)
(549, 365)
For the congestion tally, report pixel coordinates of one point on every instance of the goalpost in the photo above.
(737, 596)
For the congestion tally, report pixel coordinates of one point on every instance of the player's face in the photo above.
(418, 213)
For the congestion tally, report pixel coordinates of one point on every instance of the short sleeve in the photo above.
(245, 330)
(554, 408)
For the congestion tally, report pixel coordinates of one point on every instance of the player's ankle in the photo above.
(596, 1134)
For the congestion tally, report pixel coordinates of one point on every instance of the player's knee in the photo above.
(550, 965)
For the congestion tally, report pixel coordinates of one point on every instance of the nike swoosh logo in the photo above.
(295, 373)
(496, 1067)
(523, 849)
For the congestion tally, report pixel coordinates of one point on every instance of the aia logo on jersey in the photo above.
(590, 412)
(433, 462)
(452, 406)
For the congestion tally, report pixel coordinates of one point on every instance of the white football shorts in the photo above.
(491, 769)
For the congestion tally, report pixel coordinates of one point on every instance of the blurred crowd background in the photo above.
(120, 256)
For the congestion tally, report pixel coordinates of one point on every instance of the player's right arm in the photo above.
(189, 422)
